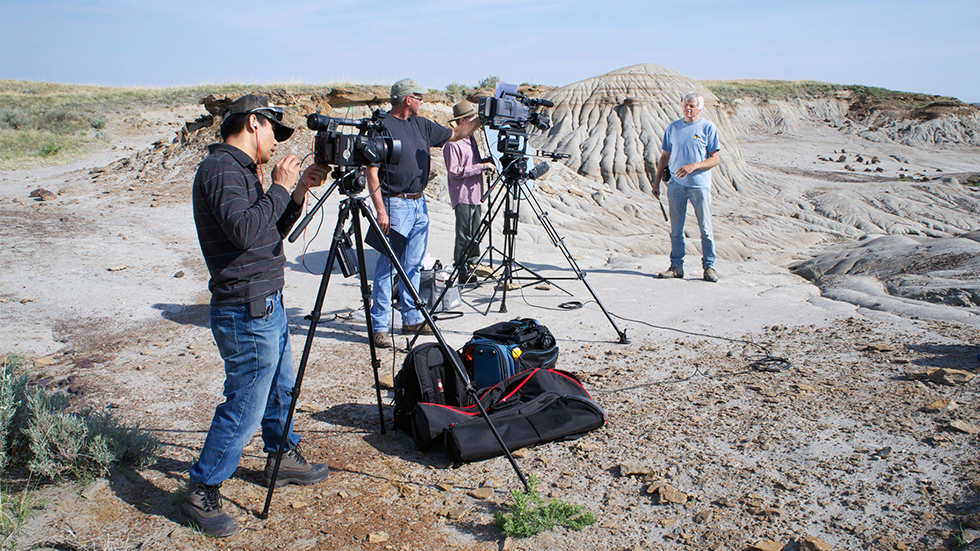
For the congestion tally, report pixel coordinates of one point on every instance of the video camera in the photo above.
(504, 112)
(510, 115)
(333, 147)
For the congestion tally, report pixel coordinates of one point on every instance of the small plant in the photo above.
(489, 82)
(457, 90)
(531, 516)
(815, 273)
(959, 538)
(14, 511)
(49, 149)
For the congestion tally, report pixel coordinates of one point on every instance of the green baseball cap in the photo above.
(405, 87)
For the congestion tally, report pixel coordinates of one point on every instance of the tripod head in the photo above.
(350, 179)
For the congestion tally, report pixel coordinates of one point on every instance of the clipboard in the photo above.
(395, 239)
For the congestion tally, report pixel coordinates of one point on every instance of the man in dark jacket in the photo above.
(241, 227)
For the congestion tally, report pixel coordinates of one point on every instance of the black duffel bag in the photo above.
(532, 407)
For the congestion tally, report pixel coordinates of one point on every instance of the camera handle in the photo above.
(338, 177)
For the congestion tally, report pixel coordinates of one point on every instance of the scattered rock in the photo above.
(457, 513)
(118, 268)
(633, 469)
(43, 194)
(481, 493)
(44, 362)
(766, 545)
(951, 377)
(377, 537)
(964, 426)
(813, 543)
(668, 494)
(179, 275)
(312, 409)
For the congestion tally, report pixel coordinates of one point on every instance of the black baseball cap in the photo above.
(260, 105)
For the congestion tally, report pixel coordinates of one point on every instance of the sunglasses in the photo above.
(270, 112)
(418, 98)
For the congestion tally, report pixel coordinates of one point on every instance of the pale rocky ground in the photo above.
(105, 287)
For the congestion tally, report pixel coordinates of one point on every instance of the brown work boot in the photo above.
(711, 275)
(202, 510)
(413, 328)
(294, 469)
(674, 272)
(383, 340)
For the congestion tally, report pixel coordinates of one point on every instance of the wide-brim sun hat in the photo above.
(463, 110)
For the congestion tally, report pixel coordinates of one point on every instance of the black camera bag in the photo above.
(507, 348)
(533, 407)
(427, 375)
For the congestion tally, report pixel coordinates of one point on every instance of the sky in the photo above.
(930, 47)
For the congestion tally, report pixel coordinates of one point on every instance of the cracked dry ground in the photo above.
(702, 450)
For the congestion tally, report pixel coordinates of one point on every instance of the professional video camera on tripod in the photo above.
(351, 154)
(510, 115)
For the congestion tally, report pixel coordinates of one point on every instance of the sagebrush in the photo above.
(39, 430)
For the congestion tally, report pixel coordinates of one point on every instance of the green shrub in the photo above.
(40, 431)
(49, 149)
(14, 118)
(457, 90)
(531, 516)
(489, 82)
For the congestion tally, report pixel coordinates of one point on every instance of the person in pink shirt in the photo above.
(465, 168)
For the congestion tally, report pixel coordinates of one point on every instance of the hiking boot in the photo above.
(711, 275)
(672, 272)
(413, 328)
(382, 340)
(294, 469)
(202, 510)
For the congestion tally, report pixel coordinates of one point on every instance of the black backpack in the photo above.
(427, 375)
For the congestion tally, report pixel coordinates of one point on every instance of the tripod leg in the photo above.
(362, 210)
(560, 243)
(314, 318)
(366, 299)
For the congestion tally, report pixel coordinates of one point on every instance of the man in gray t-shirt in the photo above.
(397, 195)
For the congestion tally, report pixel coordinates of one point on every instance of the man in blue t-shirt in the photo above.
(690, 150)
(397, 195)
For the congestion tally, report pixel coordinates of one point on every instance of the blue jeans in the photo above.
(700, 198)
(258, 379)
(409, 217)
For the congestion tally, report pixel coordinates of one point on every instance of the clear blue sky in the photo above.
(918, 46)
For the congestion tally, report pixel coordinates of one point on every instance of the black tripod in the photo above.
(356, 205)
(513, 187)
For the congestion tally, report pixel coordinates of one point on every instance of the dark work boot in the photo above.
(294, 469)
(202, 510)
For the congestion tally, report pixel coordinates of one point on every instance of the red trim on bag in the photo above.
(526, 379)
(556, 372)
